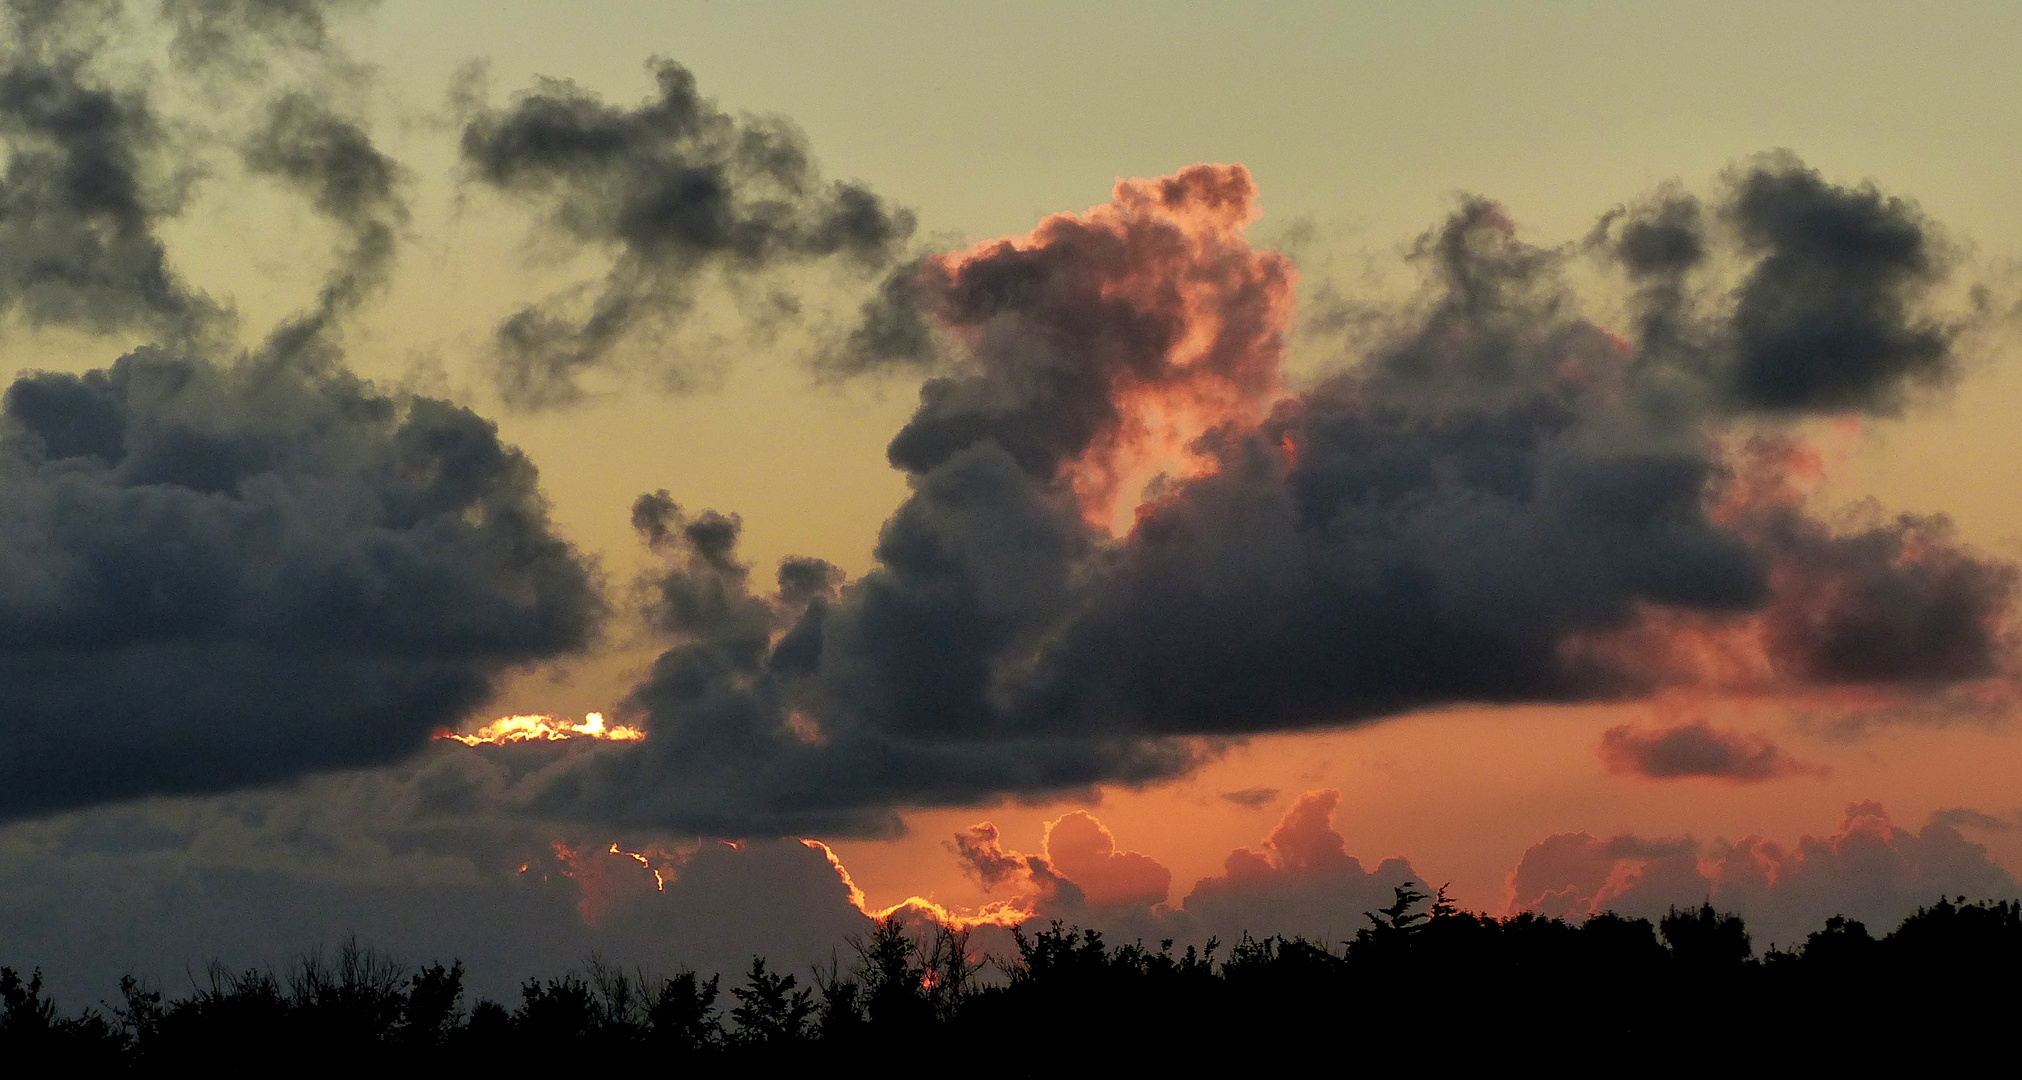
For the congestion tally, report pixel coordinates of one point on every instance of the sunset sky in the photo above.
(1564, 453)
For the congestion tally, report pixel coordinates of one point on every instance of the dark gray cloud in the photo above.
(1827, 316)
(1825, 319)
(215, 576)
(94, 169)
(747, 740)
(674, 189)
(1502, 502)
(331, 160)
(87, 183)
(241, 37)
(892, 332)
(1697, 749)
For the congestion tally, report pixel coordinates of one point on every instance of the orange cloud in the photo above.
(1084, 852)
(1302, 881)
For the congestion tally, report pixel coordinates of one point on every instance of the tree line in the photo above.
(1424, 984)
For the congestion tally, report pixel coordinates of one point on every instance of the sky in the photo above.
(1181, 468)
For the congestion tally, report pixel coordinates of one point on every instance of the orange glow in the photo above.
(543, 728)
(1005, 913)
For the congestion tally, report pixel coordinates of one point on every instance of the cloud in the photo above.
(744, 738)
(332, 160)
(893, 331)
(1828, 313)
(1696, 749)
(1573, 875)
(675, 190)
(1083, 851)
(161, 888)
(1868, 601)
(984, 858)
(1252, 797)
(1123, 533)
(1965, 817)
(241, 36)
(1825, 319)
(226, 575)
(1303, 881)
(1868, 869)
(90, 176)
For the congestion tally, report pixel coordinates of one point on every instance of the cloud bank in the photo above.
(1868, 869)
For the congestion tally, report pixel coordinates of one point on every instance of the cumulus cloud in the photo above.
(1082, 850)
(1302, 882)
(1868, 869)
(1697, 749)
(674, 190)
(1573, 875)
(223, 575)
(1122, 532)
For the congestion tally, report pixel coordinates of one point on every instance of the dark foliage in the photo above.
(1424, 985)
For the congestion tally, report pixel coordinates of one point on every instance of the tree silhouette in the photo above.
(1702, 938)
(1423, 985)
(769, 1010)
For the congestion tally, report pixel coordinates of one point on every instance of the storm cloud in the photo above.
(673, 190)
(216, 576)
(1123, 533)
